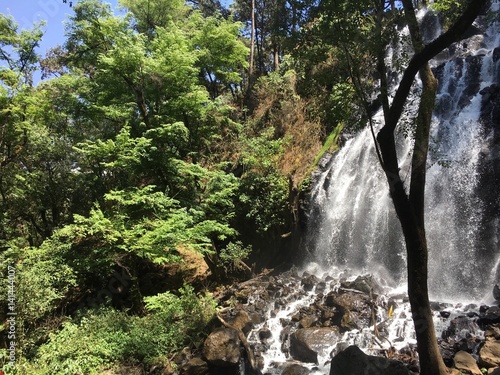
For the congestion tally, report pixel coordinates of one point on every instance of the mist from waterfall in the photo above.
(353, 224)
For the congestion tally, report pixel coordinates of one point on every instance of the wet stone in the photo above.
(265, 333)
(309, 282)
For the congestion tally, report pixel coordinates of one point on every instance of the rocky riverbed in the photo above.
(301, 324)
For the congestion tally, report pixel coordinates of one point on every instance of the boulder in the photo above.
(306, 343)
(265, 333)
(496, 292)
(447, 352)
(466, 363)
(295, 369)
(309, 282)
(365, 283)
(490, 316)
(353, 310)
(489, 355)
(492, 332)
(195, 366)
(352, 361)
(308, 321)
(222, 348)
(460, 327)
(242, 321)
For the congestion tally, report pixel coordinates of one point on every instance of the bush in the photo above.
(105, 337)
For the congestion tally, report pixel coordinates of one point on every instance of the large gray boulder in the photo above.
(222, 348)
(352, 361)
(306, 343)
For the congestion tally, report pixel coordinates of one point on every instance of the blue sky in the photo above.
(54, 12)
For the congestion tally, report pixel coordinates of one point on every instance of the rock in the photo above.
(195, 366)
(489, 355)
(352, 361)
(222, 348)
(447, 352)
(445, 314)
(353, 310)
(466, 363)
(490, 316)
(496, 54)
(265, 333)
(306, 343)
(366, 284)
(308, 321)
(494, 371)
(257, 318)
(309, 282)
(242, 321)
(496, 292)
(470, 345)
(320, 287)
(492, 332)
(295, 369)
(460, 327)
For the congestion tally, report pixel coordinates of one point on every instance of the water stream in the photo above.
(353, 221)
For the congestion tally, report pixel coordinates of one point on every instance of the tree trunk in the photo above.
(252, 48)
(410, 206)
(276, 55)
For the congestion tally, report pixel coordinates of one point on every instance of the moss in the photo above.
(331, 144)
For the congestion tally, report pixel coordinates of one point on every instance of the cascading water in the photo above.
(353, 228)
(354, 224)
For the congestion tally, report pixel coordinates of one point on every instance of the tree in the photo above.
(252, 46)
(410, 205)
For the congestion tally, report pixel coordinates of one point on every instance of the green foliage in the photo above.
(264, 191)
(331, 143)
(449, 10)
(186, 315)
(17, 50)
(143, 222)
(103, 337)
(233, 254)
(222, 55)
(42, 281)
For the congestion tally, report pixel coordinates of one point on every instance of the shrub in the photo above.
(105, 337)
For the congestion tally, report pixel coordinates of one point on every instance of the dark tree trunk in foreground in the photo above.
(410, 206)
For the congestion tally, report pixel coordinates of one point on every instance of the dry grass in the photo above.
(282, 108)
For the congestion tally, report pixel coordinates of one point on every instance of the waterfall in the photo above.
(353, 224)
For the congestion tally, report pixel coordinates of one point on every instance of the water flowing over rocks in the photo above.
(342, 324)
